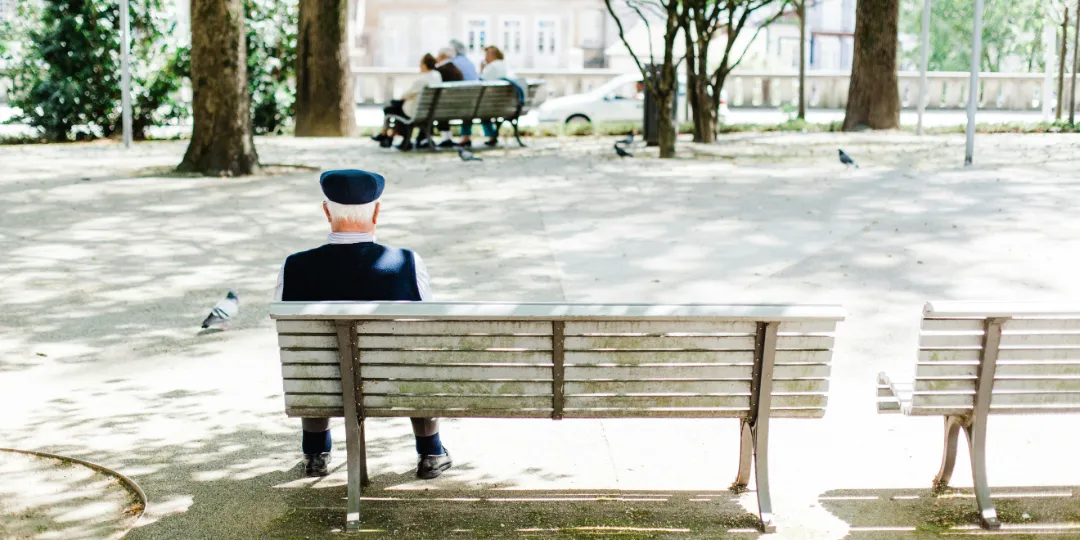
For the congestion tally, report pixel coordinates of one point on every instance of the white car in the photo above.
(621, 99)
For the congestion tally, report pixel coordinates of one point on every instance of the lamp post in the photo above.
(924, 63)
(973, 82)
(125, 71)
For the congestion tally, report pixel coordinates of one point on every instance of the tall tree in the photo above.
(873, 95)
(661, 81)
(704, 19)
(221, 138)
(324, 98)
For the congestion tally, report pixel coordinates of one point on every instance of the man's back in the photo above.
(359, 272)
(449, 72)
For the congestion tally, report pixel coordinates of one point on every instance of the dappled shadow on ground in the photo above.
(901, 513)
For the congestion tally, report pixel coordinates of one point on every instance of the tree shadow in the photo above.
(1025, 512)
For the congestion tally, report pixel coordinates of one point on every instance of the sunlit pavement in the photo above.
(110, 265)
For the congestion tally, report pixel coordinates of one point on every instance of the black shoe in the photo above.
(387, 142)
(491, 143)
(464, 144)
(316, 464)
(379, 137)
(432, 466)
(447, 144)
(405, 146)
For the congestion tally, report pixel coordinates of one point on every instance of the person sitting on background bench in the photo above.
(444, 64)
(352, 267)
(405, 108)
(456, 51)
(493, 68)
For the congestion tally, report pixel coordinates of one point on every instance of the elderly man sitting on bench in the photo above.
(352, 267)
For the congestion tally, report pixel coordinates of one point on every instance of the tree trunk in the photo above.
(692, 80)
(221, 138)
(324, 98)
(802, 59)
(873, 97)
(668, 129)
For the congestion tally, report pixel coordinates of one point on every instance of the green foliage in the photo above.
(271, 53)
(1012, 30)
(66, 68)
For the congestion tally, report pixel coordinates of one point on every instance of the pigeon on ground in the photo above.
(224, 310)
(628, 140)
(846, 159)
(466, 155)
(621, 152)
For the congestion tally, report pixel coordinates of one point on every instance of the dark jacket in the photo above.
(449, 72)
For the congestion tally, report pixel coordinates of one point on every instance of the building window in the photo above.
(546, 31)
(511, 36)
(477, 35)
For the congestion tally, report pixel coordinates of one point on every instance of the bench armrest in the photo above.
(892, 397)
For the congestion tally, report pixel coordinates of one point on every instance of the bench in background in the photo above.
(467, 102)
(977, 359)
(492, 360)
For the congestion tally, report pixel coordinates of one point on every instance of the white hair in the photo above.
(356, 213)
(448, 52)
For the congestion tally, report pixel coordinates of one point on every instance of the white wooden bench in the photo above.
(465, 102)
(977, 359)
(487, 360)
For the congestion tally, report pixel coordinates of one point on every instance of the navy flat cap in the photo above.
(351, 186)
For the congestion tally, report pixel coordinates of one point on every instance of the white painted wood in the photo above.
(998, 409)
(286, 341)
(454, 357)
(690, 326)
(311, 371)
(310, 357)
(968, 400)
(693, 387)
(313, 400)
(584, 343)
(689, 412)
(306, 327)
(1001, 385)
(742, 358)
(948, 310)
(936, 340)
(457, 387)
(403, 412)
(1004, 355)
(1005, 369)
(311, 386)
(477, 372)
(453, 328)
(461, 402)
(655, 401)
(551, 311)
(678, 371)
(460, 343)
(1012, 325)
(314, 412)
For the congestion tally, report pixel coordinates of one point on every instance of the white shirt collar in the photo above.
(350, 237)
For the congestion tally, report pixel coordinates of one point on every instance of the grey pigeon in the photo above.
(628, 140)
(621, 152)
(224, 310)
(466, 155)
(846, 159)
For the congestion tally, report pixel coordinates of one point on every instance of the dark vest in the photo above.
(362, 272)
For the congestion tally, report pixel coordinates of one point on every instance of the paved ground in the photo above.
(110, 265)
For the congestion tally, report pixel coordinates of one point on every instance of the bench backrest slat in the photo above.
(418, 362)
(1038, 361)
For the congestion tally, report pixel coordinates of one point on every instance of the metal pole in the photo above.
(973, 82)
(924, 64)
(1076, 65)
(125, 73)
(1061, 64)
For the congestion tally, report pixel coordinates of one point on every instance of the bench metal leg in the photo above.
(746, 452)
(948, 457)
(976, 434)
(517, 134)
(365, 481)
(761, 468)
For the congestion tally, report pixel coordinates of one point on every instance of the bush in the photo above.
(271, 51)
(65, 69)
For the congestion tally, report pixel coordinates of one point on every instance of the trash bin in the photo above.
(652, 109)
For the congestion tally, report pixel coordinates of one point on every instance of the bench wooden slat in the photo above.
(657, 401)
(469, 402)
(324, 412)
(690, 412)
(1004, 355)
(328, 386)
(678, 371)
(457, 373)
(1012, 325)
(454, 328)
(689, 357)
(733, 342)
(696, 387)
(399, 412)
(1008, 340)
(455, 343)
(326, 342)
(1001, 385)
(369, 357)
(983, 310)
(574, 328)
(942, 370)
(310, 357)
(306, 327)
(966, 400)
